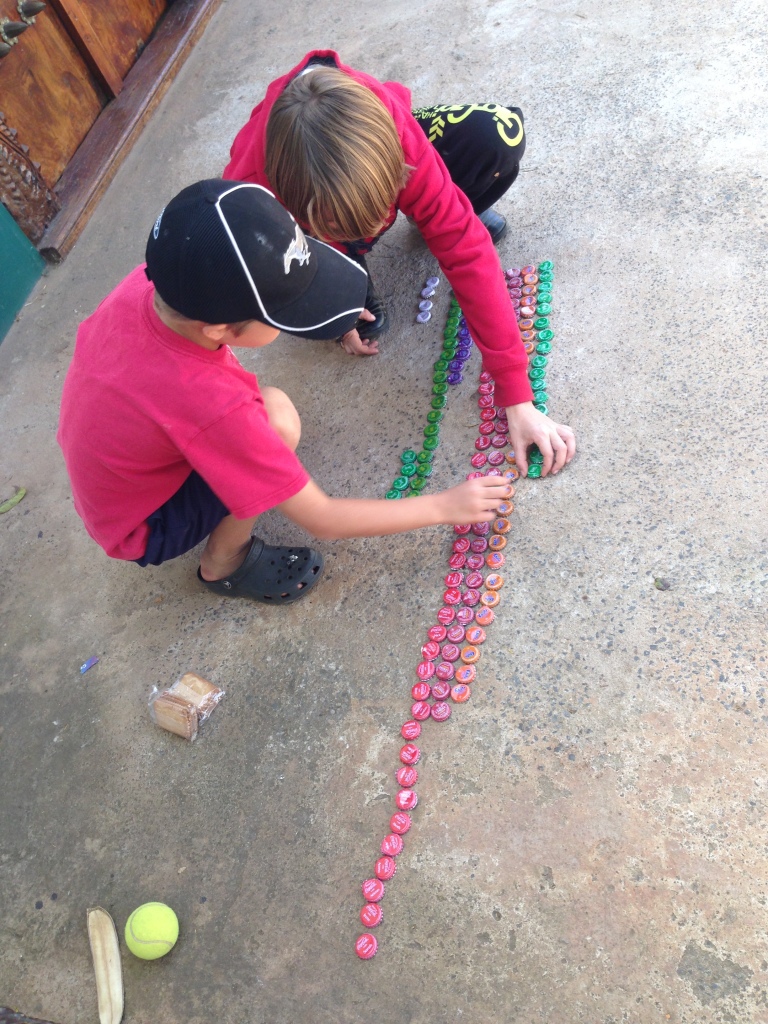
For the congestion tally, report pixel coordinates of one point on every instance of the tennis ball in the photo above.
(151, 931)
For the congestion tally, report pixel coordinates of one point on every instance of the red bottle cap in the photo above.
(366, 946)
(461, 544)
(479, 545)
(485, 377)
(442, 688)
(493, 472)
(420, 691)
(479, 459)
(475, 579)
(464, 615)
(475, 635)
(495, 560)
(407, 776)
(400, 822)
(490, 598)
(454, 579)
(463, 528)
(483, 443)
(425, 670)
(486, 428)
(486, 415)
(456, 633)
(486, 388)
(484, 617)
(451, 652)
(391, 845)
(385, 867)
(471, 597)
(410, 730)
(466, 674)
(485, 401)
(370, 915)
(457, 560)
(452, 595)
(409, 754)
(475, 562)
(446, 615)
(373, 890)
(406, 799)
(420, 710)
(430, 650)
(499, 440)
(495, 458)
(481, 529)
(460, 693)
(441, 711)
(444, 671)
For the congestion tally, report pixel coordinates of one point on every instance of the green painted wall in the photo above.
(20, 268)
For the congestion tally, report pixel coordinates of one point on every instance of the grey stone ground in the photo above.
(590, 843)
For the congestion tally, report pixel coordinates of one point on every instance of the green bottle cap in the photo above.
(400, 483)
(430, 443)
(541, 397)
(539, 361)
(544, 298)
(544, 347)
(536, 459)
(536, 373)
(541, 407)
(441, 364)
(435, 415)
(538, 384)
(439, 377)
(540, 323)
(432, 430)
(546, 265)
(439, 389)
(534, 472)
(449, 350)
(546, 335)
(439, 401)
(418, 483)
(425, 457)
(449, 334)
(393, 494)
(545, 276)
(409, 455)
(408, 469)
(423, 469)
(543, 309)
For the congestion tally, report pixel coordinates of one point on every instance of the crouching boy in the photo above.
(168, 440)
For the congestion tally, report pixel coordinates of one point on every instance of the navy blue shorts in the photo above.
(183, 521)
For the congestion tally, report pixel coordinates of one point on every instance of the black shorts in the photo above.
(183, 521)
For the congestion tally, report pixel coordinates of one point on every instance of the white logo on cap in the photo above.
(297, 250)
(156, 228)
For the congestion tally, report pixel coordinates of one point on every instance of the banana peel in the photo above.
(105, 950)
(6, 506)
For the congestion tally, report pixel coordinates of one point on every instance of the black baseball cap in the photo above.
(226, 251)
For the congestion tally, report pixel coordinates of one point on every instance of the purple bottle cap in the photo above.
(423, 317)
(455, 365)
(425, 304)
(432, 282)
(427, 293)
(455, 378)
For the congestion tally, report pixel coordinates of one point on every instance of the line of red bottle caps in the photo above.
(438, 677)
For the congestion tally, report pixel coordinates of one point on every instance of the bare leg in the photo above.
(229, 542)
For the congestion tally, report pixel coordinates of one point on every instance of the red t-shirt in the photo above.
(142, 407)
(444, 216)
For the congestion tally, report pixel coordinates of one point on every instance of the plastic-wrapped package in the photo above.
(182, 707)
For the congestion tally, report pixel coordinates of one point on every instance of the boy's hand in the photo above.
(354, 345)
(555, 441)
(474, 501)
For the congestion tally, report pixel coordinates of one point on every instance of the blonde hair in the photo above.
(333, 155)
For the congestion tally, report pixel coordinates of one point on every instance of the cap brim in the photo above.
(332, 304)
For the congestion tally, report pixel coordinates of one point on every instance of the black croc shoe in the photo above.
(496, 224)
(273, 575)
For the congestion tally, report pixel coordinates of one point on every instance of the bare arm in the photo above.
(334, 518)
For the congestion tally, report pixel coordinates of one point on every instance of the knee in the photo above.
(283, 417)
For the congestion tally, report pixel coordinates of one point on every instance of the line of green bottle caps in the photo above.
(538, 363)
(416, 467)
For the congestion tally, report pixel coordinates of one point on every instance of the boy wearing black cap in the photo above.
(169, 440)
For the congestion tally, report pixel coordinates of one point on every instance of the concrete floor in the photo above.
(590, 842)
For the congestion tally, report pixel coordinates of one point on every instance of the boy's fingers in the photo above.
(569, 438)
